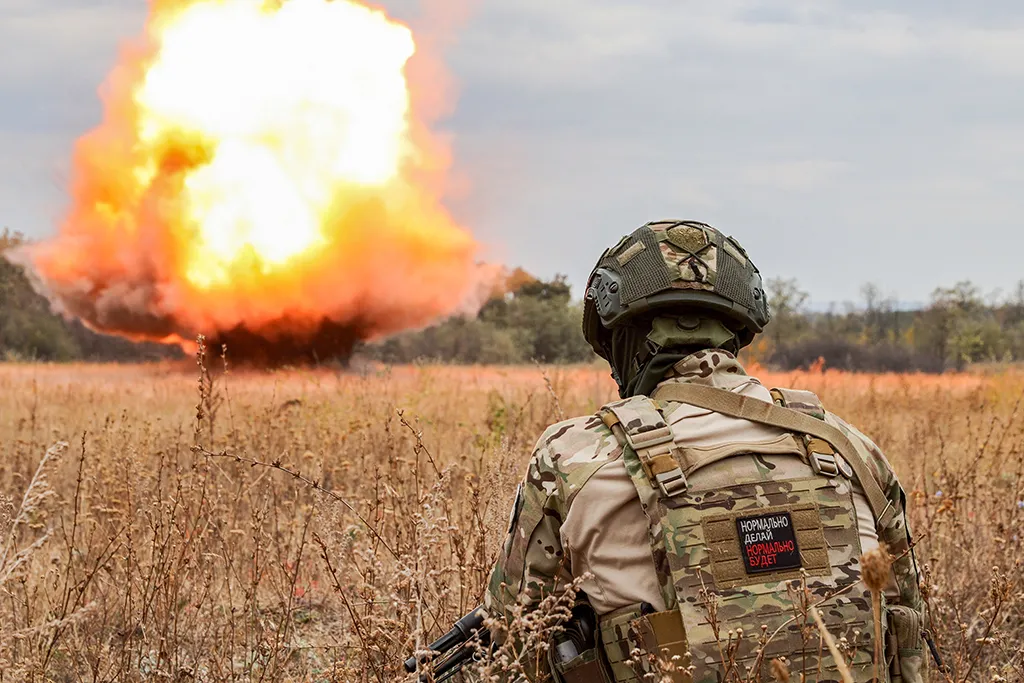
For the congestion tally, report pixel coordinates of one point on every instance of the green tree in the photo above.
(788, 304)
(957, 326)
(542, 319)
(28, 329)
(537, 321)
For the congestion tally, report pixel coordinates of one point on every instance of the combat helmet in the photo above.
(672, 266)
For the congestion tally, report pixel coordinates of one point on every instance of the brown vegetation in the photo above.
(128, 554)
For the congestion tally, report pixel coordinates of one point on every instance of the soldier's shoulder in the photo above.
(579, 440)
(883, 469)
(574, 449)
(851, 430)
(808, 403)
(800, 400)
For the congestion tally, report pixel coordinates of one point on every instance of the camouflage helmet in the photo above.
(683, 265)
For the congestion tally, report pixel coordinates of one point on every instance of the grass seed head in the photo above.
(780, 671)
(875, 565)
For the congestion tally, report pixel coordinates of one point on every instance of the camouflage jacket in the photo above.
(550, 542)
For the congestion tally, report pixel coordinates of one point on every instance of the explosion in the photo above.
(261, 176)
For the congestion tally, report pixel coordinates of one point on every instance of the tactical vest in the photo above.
(730, 559)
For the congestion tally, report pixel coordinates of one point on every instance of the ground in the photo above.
(162, 537)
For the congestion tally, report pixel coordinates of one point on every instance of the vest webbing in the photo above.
(689, 532)
(752, 409)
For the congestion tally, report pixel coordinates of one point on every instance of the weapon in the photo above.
(934, 650)
(454, 648)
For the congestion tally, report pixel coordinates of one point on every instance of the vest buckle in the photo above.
(822, 458)
(824, 464)
(671, 483)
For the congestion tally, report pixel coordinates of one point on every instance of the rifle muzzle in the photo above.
(463, 630)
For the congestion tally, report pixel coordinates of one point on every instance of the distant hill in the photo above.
(30, 330)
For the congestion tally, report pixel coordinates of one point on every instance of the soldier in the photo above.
(703, 515)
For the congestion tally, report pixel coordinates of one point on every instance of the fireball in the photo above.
(261, 167)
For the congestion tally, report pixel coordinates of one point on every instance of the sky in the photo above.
(840, 142)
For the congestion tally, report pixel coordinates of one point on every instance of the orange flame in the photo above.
(261, 166)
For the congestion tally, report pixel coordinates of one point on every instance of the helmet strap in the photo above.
(649, 349)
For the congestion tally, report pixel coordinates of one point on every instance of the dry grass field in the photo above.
(128, 554)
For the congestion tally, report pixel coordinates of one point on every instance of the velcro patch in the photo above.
(729, 557)
(626, 256)
(768, 542)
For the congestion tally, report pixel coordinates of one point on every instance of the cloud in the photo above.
(792, 124)
(33, 175)
(44, 40)
(871, 132)
(579, 43)
(793, 176)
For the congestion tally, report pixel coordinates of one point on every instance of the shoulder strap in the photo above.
(639, 423)
(821, 456)
(755, 410)
(647, 446)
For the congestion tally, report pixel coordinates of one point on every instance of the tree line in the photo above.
(959, 326)
(531, 320)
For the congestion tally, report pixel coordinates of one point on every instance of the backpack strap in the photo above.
(647, 454)
(821, 456)
(638, 422)
(755, 410)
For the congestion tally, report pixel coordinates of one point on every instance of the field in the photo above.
(150, 532)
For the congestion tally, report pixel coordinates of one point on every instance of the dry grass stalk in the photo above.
(875, 567)
(830, 643)
(150, 560)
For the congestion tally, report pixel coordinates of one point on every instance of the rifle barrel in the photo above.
(463, 630)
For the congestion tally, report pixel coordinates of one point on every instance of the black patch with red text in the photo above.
(768, 542)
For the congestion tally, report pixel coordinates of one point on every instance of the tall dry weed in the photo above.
(312, 525)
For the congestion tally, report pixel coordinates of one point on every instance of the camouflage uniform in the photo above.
(577, 513)
(644, 503)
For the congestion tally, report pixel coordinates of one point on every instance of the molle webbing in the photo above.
(660, 633)
(734, 405)
(705, 572)
(722, 540)
(713, 546)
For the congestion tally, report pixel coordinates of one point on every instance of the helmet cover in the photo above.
(674, 267)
